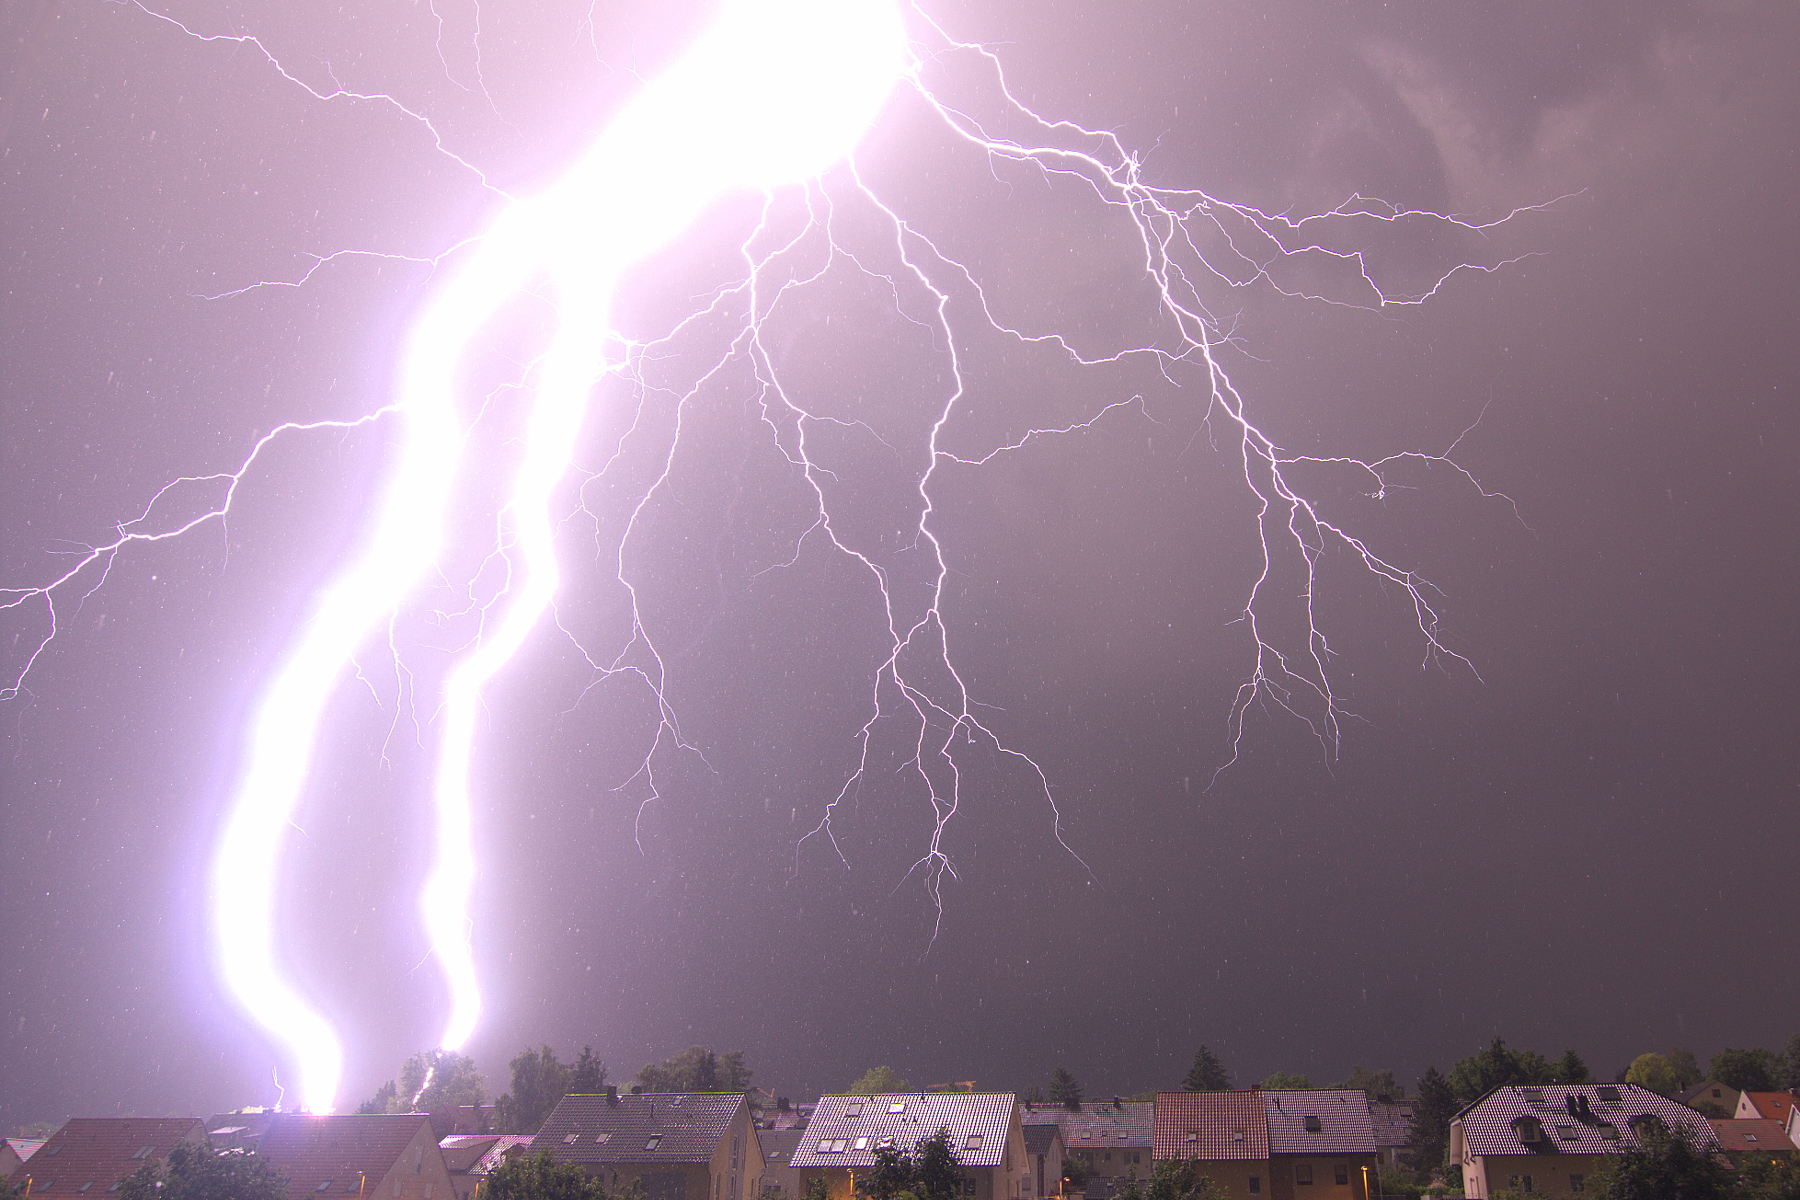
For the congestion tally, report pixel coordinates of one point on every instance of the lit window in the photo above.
(1312, 1125)
(1303, 1173)
(862, 1143)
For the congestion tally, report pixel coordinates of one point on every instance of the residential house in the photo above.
(469, 1157)
(1044, 1148)
(1392, 1121)
(237, 1130)
(780, 1177)
(1321, 1144)
(1113, 1138)
(1705, 1098)
(1771, 1106)
(352, 1157)
(676, 1145)
(1550, 1140)
(89, 1156)
(984, 1128)
(1226, 1132)
(14, 1152)
(1746, 1139)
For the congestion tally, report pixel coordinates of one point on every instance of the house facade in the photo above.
(351, 1157)
(675, 1145)
(1321, 1145)
(1044, 1148)
(89, 1156)
(984, 1127)
(1112, 1139)
(1769, 1106)
(1705, 1098)
(1551, 1140)
(1227, 1133)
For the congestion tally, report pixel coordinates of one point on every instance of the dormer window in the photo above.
(1530, 1129)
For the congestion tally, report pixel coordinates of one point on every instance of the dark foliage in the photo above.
(539, 1081)
(1207, 1074)
(1432, 1114)
(539, 1177)
(1669, 1165)
(1184, 1180)
(196, 1173)
(1065, 1089)
(1497, 1066)
(930, 1171)
(1745, 1070)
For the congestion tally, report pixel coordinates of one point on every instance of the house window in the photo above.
(82, 1190)
(1256, 1185)
(1303, 1173)
(1609, 1094)
(972, 1142)
(323, 1187)
(142, 1152)
(853, 1109)
(1312, 1125)
(1342, 1174)
(897, 1107)
(1525, 1183)
(862, 1143)
(569, 1139)
(654, 1142)
(1578, 1183)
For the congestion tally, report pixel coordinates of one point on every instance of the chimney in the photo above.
(1118, 1103)
(612, 1095)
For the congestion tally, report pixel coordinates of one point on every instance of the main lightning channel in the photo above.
(771, 95)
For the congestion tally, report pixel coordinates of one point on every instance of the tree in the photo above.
(1284, 1081)
(1668, 1164)
(696, 1069)
(587, 1077)
(1745, 1070)
(1207, 1074)
(435, 1079)
(1654, 1072)
(890, 1176)
(383, 1101)
(878, 1081)
(1474, 1077)
(540, 1177)
(937, 1172)
(1570, 1068)
(1432, 1114)
(196, 1173)
(1064, 1088)
(1181, 1179)
(538, 1082)
(1787, 1064)
(1686, 1068)
(1374, 1083)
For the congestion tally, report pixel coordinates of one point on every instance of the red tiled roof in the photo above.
(1773, 1106)
(1211, 1126)
(90, 1154)
(350, 1153)
(1754, 1133)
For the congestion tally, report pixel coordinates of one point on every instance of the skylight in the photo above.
(569, 1139)
(600, 1139)
(654, 1139)
(972, 1142)
(1535, 1095)
(862, 1143)
(1313, 1126)
(142, 1152)
(898, 1106)
(323, 1187)
(1608, 1093)
(853, 1109)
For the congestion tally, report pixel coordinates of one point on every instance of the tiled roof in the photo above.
(1097, 1124)
(778, 1145)
(1488, 1126)
(1211, 1126)
(1332, 1121)
(90, 1154)
(506, 1146)
(1754, 1133)
(1038, 1138)
(351, 1153)
(463, 1151)
(1773, 1106)
(851, 1127)
(1392, 1121)
(653, 1127)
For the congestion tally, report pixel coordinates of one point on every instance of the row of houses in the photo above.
(1284, 1145)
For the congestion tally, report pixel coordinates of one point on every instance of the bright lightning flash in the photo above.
(774, 94)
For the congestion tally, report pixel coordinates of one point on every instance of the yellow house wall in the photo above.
(1484, 1175)
(1324, 1185)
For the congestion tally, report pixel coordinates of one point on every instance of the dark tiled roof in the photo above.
(1488, 1126)
(1342, 1120)
(778, 1145)
(1392, 1121)
(1755, 1133)
(352, 1153)
(1093, 1125)
(507, 1145)
(1211, 1126)
(100, 1151)
(1774, 1106)
(1038, 1138)
(655, 1127)
(852, 1126)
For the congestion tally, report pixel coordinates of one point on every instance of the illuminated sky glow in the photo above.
(697, 510)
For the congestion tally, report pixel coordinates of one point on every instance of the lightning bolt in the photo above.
(772, 98)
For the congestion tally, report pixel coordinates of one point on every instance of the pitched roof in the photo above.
(1752, 1133)
(463, 1151)
(349, 1153)
(1107, 1123)
(1489, 1124)
(1039, 1138)
(1774, 1106)
(778, 1145)
(1392, 1121)
(652, 1127)
(1211, 1126)
(1327, 1121)
(507, 1145)
(90, 1154)
(851, 1127)
(1722, 1094)
(25, 1147)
